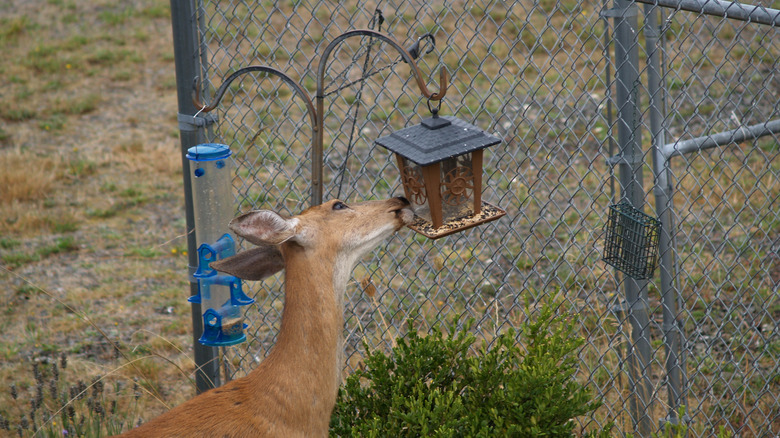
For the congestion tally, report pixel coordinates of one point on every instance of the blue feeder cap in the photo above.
(208, 152)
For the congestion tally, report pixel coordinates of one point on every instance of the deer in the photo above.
(293, 391)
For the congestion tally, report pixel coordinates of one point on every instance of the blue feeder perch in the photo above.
(220, 296)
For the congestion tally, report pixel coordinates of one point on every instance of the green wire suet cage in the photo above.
(631, 241)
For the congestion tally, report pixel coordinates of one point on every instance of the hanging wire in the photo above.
(608, 96)
(428, 41)
(377, 21)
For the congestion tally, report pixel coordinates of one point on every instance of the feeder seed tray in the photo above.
(487, 213)
(631, 242)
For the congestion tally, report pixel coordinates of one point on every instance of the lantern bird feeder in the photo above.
(220, 296)
(440, 161)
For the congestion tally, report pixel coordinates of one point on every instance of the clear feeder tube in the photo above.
(220, 295)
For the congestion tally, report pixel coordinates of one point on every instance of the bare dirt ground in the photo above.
(91, 199)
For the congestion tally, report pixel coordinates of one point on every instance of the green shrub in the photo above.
(433, 386)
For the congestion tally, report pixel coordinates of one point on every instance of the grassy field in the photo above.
(92, 256)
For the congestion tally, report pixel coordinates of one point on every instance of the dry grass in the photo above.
(27, 177)
(91, 212)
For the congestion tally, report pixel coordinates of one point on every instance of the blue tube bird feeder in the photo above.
(220, 296)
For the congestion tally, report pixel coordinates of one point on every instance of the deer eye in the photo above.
(340, 206)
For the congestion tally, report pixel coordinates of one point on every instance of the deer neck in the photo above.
(313, 303)
(310, 340)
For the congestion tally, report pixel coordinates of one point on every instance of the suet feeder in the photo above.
(631, 242)
(440, 161)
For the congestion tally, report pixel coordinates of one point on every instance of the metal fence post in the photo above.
(675, 372)
(630, 161)
(191, 132)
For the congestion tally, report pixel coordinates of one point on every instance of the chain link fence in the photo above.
(546, 77)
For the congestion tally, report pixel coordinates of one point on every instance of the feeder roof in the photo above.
(436, 139)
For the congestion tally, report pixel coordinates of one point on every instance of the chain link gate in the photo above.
(542, 76)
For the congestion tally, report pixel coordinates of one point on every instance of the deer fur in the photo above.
(293, 391)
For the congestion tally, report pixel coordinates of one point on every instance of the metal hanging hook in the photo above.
(415, 53)
(432, 109)
(318, 140)
(414, 49)
(443, 82)
(220, 93)
(407, 58)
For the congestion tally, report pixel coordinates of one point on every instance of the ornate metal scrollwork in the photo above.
(413, 181)
(458, 186)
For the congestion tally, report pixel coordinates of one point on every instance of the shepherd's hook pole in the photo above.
(318, 140)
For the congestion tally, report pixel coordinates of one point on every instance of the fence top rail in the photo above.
(725, 9)
(739, 135)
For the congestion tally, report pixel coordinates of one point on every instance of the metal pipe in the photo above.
(725, 9)
(185, 49)
(630, 163)
(317, 154)
(739, 135)
(663, 191)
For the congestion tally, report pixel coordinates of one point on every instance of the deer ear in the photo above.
(263, 227)
(253, 264)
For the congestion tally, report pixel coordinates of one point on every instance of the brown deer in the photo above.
(293, 391)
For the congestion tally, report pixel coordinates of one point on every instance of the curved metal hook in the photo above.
(253, 68)
(414, 49)
(318, 140)
(408, 58)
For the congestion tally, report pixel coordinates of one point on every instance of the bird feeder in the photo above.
(220, 296)
(440, 161)
(631, 241)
